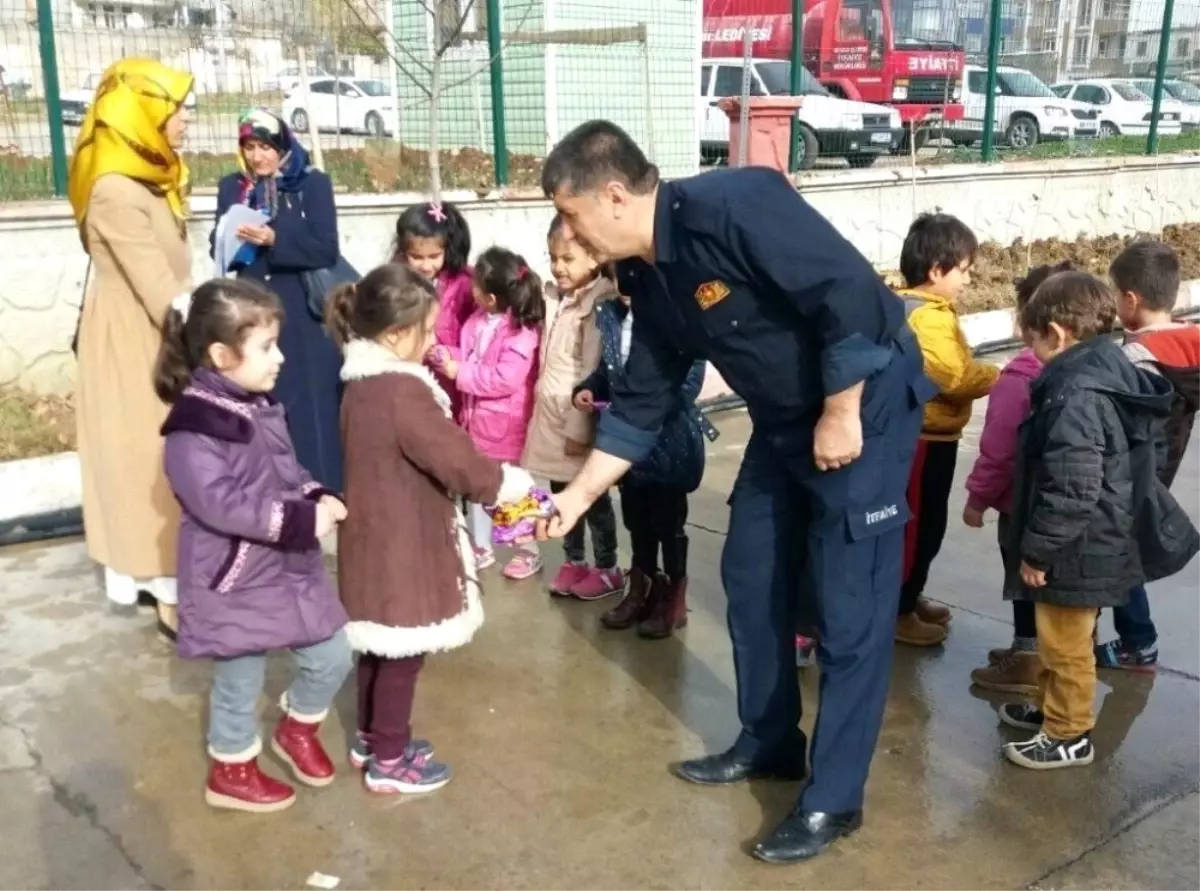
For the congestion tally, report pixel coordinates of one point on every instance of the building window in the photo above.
(1050, 43)
(1141, 49)
(1102, 48)
(1182, 47)
(1106, 9)
(1084, 14)
(974, 43)
(1080, 55)
(1122, 45)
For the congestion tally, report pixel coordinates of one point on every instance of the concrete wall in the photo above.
(42, 266)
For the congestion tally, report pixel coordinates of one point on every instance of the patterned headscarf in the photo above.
(124, 133)
(262, 193)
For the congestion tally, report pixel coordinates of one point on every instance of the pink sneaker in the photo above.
(600, 583)
(523, 565)
(568, 578)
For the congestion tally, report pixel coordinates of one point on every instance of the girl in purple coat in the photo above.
(251, 574)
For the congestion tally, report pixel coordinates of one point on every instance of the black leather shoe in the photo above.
(806, 834)
(727, 768)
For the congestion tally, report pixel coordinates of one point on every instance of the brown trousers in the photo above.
(1067, 683)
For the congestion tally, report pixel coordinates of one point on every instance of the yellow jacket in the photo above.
(949, 363)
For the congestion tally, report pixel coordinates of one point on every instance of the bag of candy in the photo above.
(517, 522)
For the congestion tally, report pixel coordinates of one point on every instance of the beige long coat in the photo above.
(570, 351)
(140, 262)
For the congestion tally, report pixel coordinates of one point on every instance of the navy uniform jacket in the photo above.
(748, 276)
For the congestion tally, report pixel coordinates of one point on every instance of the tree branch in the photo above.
(458, 29)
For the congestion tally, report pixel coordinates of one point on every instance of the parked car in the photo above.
(75, 103)
(1027, 111)
(1186, 94)
(1124, 109)
(829, 126)
(286, 79)
(335, 104)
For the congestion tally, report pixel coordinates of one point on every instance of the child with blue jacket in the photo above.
(654, 494)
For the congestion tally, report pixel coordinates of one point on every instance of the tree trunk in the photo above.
(435, 158)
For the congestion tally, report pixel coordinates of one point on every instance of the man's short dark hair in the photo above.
(935, 241)
(593, 154)
(1151, 270)
(1077, 301)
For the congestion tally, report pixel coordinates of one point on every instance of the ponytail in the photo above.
(339, 307)
(516, 287)
(171, 369)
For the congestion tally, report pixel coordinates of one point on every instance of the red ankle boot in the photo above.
(633, 607)
(296, 743)
(668, 608)
(241, 786)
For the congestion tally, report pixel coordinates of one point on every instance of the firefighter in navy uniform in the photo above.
(734, 266)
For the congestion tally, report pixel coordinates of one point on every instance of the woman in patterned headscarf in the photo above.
(128, 188)
(300, 234)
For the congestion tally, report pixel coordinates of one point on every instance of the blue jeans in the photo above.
(1133, 622)
(238, 682)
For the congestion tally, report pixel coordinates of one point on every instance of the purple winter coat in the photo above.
(251, 574)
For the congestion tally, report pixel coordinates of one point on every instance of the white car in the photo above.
(287, 79)
(1186, 94)
(363, 105)
(1124, 109)
(1027, 111)
(75, 103)
(829, 126)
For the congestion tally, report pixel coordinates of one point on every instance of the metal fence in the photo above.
(369, 84)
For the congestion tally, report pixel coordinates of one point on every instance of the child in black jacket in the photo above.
(1090, 518)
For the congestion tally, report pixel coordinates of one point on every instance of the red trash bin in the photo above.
(769, 130)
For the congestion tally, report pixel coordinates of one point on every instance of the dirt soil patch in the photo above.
(32, 426)
(997, 267)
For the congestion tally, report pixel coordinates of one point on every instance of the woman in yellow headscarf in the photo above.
(128, 188)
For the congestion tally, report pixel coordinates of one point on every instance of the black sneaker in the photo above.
(1022, 715)
(1115, 654)
(1044, 753)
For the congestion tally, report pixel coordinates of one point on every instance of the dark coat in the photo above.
(251, 574)
(677, 460)
(306, 237)
(1088, 507)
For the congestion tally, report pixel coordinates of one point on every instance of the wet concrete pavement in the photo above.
(560, 734)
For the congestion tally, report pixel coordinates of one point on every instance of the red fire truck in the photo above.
(852, 47)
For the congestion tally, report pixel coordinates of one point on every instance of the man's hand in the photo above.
(973, 517)
(573, 449)
(335, 507)
(1033, 578)
(568, 508)
(837, 440)
(584, 400)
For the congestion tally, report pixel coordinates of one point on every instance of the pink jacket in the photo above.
(457, 303)
(497, 385)
(990, 482)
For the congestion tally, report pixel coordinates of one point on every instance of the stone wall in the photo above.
(42, 267)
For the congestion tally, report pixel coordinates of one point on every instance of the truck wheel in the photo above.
(1023, 133)
(906, 141)
(807, 148)
(861, 162)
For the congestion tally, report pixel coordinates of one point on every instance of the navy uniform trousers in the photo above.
(837, 537)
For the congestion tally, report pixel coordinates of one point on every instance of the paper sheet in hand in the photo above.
(226, 242)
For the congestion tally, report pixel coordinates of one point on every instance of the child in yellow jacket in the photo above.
(936, 264)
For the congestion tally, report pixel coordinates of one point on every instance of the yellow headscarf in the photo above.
(124, 133)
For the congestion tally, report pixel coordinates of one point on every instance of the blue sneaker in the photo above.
(405, 775)
(1115, 654)
(360, 751)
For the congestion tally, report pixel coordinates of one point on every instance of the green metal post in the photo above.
(993, 61)
(797, 80)
(499, 139)
(58, 147)
(1160, 74)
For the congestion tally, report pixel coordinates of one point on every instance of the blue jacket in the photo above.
(677, 459)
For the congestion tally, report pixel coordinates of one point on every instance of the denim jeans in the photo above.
(1133, 622)
(238, 682)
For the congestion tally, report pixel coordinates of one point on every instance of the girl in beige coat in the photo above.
(559, 434)
(128, 190)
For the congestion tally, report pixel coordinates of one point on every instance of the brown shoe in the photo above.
(996, 656)
(912, 631)
(1015, 673)
(932, 613)
(668, 609)
(634, 606)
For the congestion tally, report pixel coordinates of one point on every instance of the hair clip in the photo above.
(436, 211)
(522, 271)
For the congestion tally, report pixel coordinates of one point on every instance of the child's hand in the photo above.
(335, 506)
(1033, 578)
(585, 401)
(450, 369)
(973, 517)
(325, 520)
(574, 449)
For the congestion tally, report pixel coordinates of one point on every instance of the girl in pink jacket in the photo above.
(495, 370)
(989, 487)
(435, 241)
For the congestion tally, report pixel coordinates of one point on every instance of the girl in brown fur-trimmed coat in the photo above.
(406, 567)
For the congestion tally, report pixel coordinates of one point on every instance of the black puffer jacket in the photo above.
(1088, 506)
